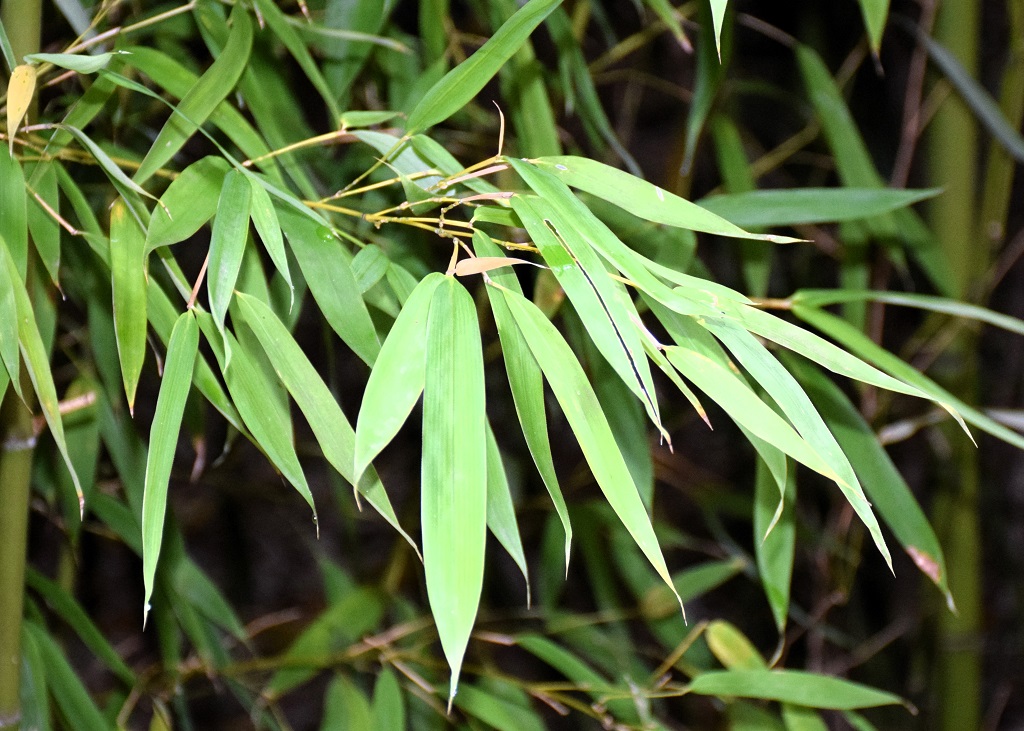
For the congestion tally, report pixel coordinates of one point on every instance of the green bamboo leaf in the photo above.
(227, 242)
(193, 586)
(124, 185)
(453, 505)
(526, 382)
(985, 108)
(35, 703)
(42, 223)
(775, 538)
(345, 706)
(802, 718)
(327, 269)
(388, 704)
(636, 196)
(278, 23)
(597, 299)
(128, 282)
(188, 203)
(501, 513)
(14, 204)
(718, 8)
(5, 46)
(369, 266)
(458, 87)
(810, 205)
(497, 712)
(669, 16)
(9, 332)
(35, 356)
(875, 13)
(359, 118)
(81, 63)
(264, 217)
(583, 411)
(69, 610)
(337, 627)
(73, 700)
(885, 487)
(709, 72)
(397, 378)
(823, 297)
(792, 686)
(732, 648)
(199, 102)
(332, 430)
(267, 419)
(797, 407)
(163, 440)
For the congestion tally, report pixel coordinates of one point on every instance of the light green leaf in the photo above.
(199, 102)
(875, 13)
(124, 185)
(227, 243)
(388, 704)
(397, 378)
(327, 268)
(345, 706)
(13, 202)
(189, 202)
(41, 222)
(264, 217)
(497, 712)
(267, 419)
(73, 700)
(583, 411)
(453, 508)
(69, 610)
(774, 549)
(369, 266)
(128, 282)
(358, 118)
(810, 205)
(332, 430)
(718, 8)
(732, 648)
(638, 196)
(526, 382)
(670, 18)
(458, 87)
(501, 513)
(81, 63)
(792, 686)
(163, 440)
(9, 331)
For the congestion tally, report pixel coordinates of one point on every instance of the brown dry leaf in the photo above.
(481, 264)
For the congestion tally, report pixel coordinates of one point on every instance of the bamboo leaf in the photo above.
(199, 102)
(387, 706)
(527, 384)
(327, 269)
(83, 64)
(188, 203)
(13, 203)
(35, 703)
(637, 196)
(501, 513)
(792, 686)
(74, 701)
(583, 411)
(483, 264)
(732, 648)
(497, 712)
(9, 330)
(875, 13)
(793, 206)
(227, 242)
(264, 217)
(453, 507)
(775, 538)
(397, 378)
(332, 430)
(718, 8)
(42, 222)
(163, 441)
(458, 87)
(128, 282)
(21, 88)
(883, 483)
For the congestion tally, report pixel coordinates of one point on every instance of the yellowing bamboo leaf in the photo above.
(481, 264)
(20, 89)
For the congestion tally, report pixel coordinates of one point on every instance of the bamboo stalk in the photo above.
(22, 20)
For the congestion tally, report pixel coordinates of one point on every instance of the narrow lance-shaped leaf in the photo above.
(453, 507)
(397, 378)
(264, 217)
(583, 411)
(227, 243)
(501, 513)
(9, 331)
(200, 101)
(774, 548)
(163, 440)
(42, 216)
(128, 282)
(883, 483)
(188, 203)
(82, 63)
(792, 686)
(527, 384)
(875, 13)
(458, 87)
(332, 430)
(13, 203)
